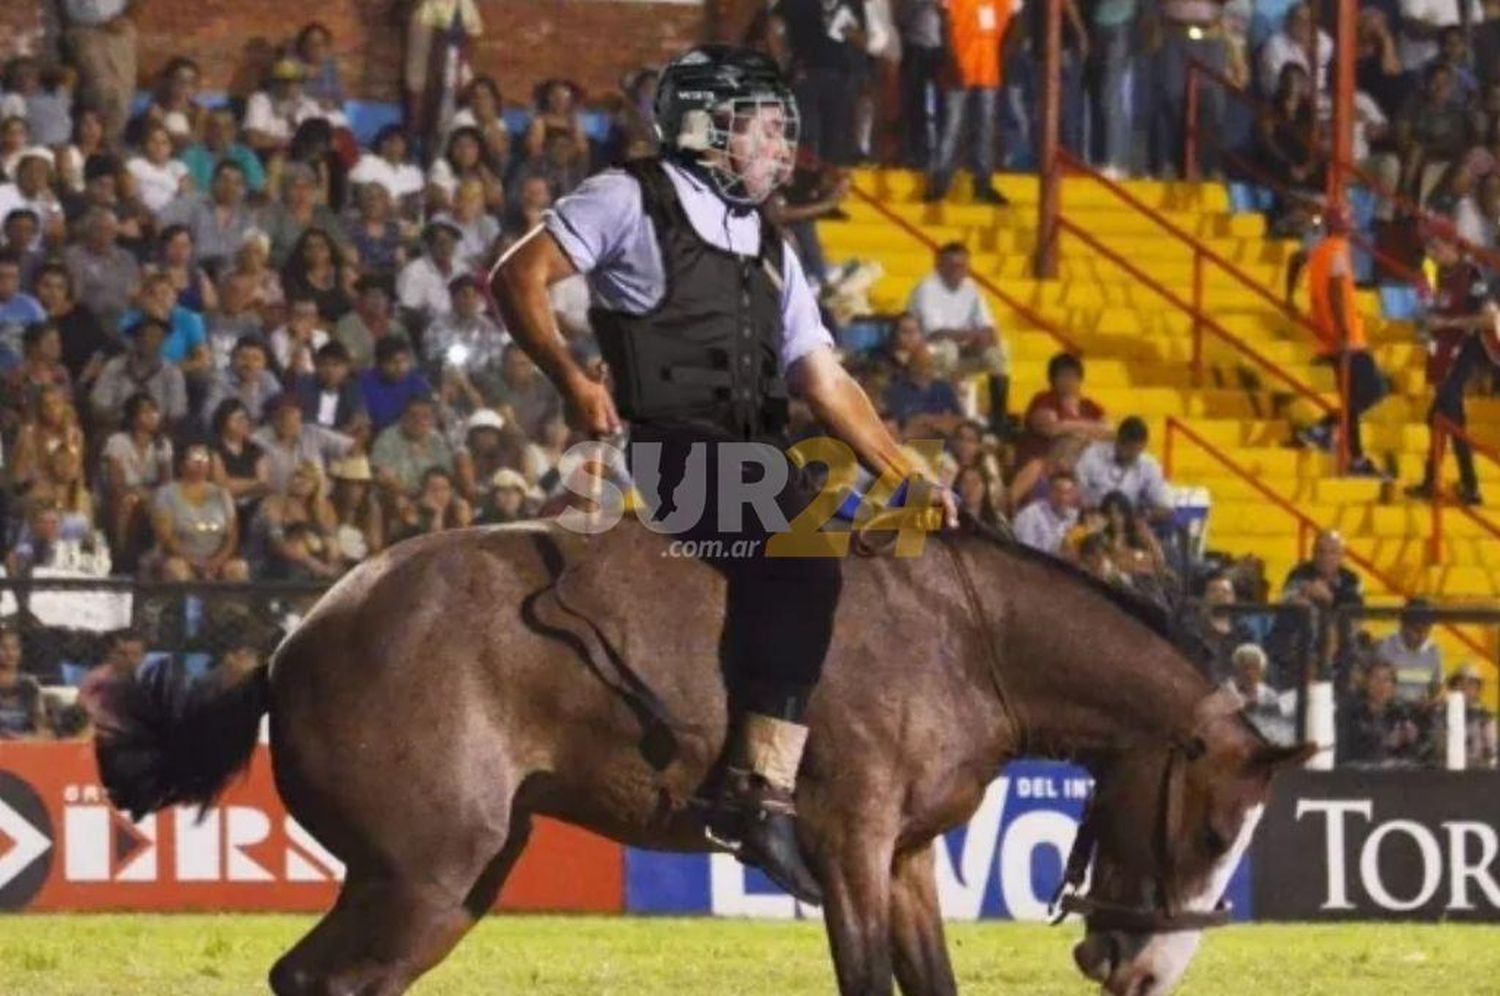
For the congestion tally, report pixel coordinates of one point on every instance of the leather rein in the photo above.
(1163, 916)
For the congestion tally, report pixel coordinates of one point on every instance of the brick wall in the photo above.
(591, 41)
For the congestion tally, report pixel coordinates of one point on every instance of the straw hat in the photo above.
(351, 468)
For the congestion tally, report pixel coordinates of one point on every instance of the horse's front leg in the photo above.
(857, 914)
(921, 952)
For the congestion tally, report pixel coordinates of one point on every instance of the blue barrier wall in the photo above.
(1004, 864)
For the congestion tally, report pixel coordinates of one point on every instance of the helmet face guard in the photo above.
(731, 111)
(751, 147)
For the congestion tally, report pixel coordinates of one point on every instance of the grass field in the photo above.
(555, 956)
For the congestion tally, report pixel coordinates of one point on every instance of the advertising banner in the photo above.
(1389, 844)
(1005, 863)
(63, 847)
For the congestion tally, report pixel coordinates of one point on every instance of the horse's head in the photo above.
(1165, 831)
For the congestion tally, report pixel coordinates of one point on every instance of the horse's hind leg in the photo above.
(920, 950)
(388, 928)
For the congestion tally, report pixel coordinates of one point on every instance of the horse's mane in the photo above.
(1155, 616)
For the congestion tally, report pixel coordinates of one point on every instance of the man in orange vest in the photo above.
(976, 32)
(1341, 341)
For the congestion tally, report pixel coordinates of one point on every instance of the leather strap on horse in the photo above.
(658, 739)
(976, 610)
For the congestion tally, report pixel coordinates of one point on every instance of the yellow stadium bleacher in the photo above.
(1139, 347)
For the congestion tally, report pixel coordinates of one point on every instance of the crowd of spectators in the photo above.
(238, 346)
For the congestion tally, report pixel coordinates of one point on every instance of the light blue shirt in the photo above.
(1040, 527)
(1099, 473)
(92, 13)
(603, 228)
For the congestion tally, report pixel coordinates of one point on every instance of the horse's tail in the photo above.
(160, 742)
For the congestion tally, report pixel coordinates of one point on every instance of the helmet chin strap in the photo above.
(729, 187)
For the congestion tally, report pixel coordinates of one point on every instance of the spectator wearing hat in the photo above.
(248, 380)
(101, 41)
(361, 530)
(389, 165)
(331, 396)
(370, 320)
(488, 444)
(288, 442)
(1414, 655)
(405, 451)
(85, 345)
(464, 348)
(273, 114)
(105, 275)
(32, 190)
(1480, 741)
(140, 369)
(392, 382)
(218, 146)
(510, 499)
(422, 286)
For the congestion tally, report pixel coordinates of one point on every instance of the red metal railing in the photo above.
(1203, 322)
(1030, 314)
(1306, 526)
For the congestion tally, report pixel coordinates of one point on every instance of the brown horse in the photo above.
(444, 693)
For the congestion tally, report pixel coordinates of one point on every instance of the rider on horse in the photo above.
(708, 326)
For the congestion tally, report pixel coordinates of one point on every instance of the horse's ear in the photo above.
(1270, 759)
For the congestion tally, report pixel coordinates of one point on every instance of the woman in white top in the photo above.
(159, 178)
(390, 166)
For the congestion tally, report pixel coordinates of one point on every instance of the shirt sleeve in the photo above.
(595, 222)
(979, 315)
(1154, 491)
(258, 115)
(802, 327)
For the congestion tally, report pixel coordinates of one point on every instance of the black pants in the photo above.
(1449, 403)
(921, 104)
(1363, 390)
(825, 101)
(780, 610)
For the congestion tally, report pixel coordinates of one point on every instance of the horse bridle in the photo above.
(1164, 916)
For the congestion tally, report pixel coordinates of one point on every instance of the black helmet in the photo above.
(701, 97)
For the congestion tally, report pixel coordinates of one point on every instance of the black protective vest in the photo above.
(706, 355)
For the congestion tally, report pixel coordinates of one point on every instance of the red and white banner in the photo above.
(63, 847)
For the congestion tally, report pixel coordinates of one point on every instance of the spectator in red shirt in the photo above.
(1061, 411)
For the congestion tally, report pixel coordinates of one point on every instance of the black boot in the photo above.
(754, 816)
